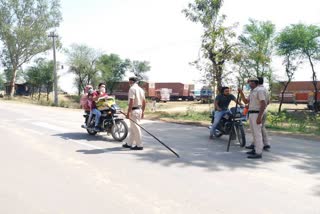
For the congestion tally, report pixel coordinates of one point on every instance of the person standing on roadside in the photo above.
(257, 104)
(266, 144)
(137, 104)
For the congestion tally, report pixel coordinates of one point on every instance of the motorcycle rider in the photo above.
(221, 105)
(96, 97)
(86, 103)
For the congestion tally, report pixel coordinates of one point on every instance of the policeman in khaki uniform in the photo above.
(257, 105)
(266, 144)
(137, 104)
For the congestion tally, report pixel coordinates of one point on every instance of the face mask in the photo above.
(247, 87)
(102, 90)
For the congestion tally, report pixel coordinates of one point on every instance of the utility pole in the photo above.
(55, 78)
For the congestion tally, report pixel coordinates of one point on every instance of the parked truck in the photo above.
(158, 91)
(206, 94)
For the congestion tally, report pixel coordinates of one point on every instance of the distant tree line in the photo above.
(91, 67)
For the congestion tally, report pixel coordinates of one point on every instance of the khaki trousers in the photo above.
(264, 130)
(135, 131)
(256, 132)
(265, 139)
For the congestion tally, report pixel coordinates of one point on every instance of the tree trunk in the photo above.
(13, 82)
(32, 92)
(282, 95)
(39, 91)
(79, 89)
(218, 77)
(48, 92)
(315, 84)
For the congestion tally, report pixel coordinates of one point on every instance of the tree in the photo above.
(40, 77)
(8, 74)
(217, 45)
(257, 41)
(113, 69)
(24, 27)
(287, 44)
(308, 43)
(240, 66)
(140, 68)
(82, 61)
(46, 68)
(2, 87)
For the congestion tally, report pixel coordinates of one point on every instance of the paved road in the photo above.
(50, 165)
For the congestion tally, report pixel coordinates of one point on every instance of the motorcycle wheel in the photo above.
(241, 135)
(119, 130)
(89, 130)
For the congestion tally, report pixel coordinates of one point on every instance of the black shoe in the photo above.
(84, 126)
(255, 156)
(126, 146)
(266, 147)
(253, 152)
(136, 148)
(96, 129)
(250, 147)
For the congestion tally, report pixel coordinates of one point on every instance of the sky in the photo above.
(157, 31)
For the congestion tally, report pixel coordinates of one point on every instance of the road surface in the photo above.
(50, 165)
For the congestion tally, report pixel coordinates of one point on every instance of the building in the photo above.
(21, 89)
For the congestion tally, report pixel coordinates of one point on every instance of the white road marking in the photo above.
(60, 129)
(85, 144)
(50, 126)
(33, 131)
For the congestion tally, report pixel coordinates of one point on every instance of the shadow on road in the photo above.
(100, 151)
(85, 136)
(196, 150)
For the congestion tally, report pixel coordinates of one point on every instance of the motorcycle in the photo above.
(110, 121)
(234, 118)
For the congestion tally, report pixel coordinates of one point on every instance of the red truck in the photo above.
(158, 91)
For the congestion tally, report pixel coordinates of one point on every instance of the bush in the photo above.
(74, 98)
(297, 121)
(64, 104)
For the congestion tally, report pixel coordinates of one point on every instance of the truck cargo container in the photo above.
(158, 91)
(300, 92)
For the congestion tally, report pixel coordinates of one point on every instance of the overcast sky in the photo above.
(157, 31)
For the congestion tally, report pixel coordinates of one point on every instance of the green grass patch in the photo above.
(294, 121)
(189, 115)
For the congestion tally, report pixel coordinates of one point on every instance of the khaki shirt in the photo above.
(256, 95)
(266, 93)
(137, 94)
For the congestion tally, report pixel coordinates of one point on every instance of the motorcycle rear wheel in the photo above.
(90, 130)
